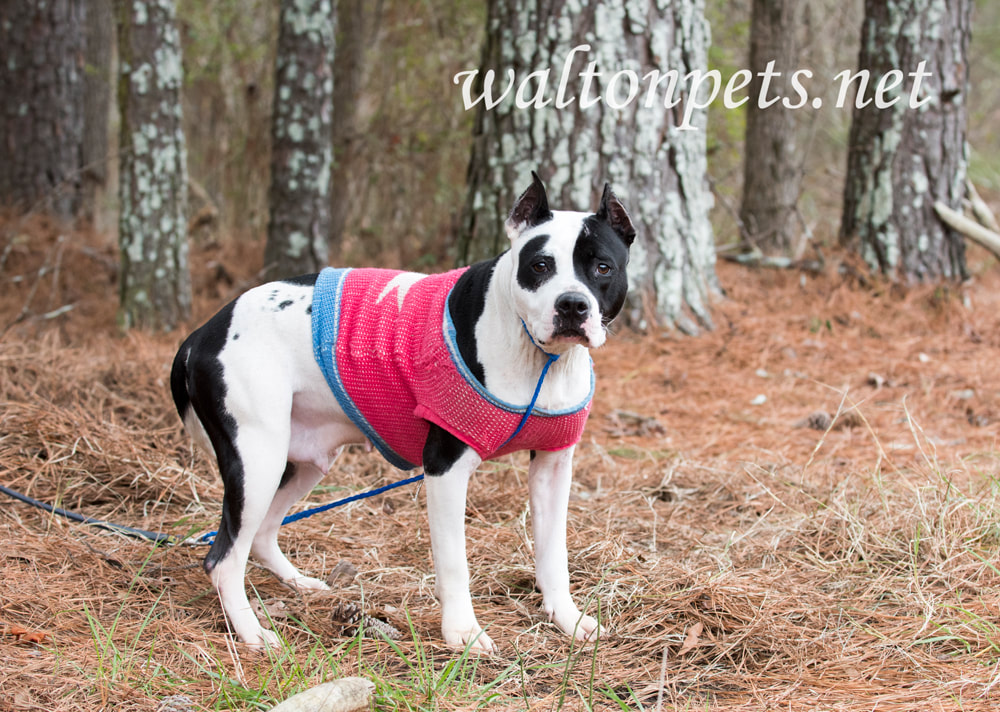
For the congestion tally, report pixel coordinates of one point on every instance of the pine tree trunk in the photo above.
(657, 170)
(97, 104)
(298, 233)
(904, 159)
(41, 112)
(772, 164)
(350, 78)
(155, 282)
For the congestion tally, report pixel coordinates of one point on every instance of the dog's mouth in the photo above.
(569, 334)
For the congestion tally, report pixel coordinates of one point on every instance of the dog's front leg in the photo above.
(448, 464)
(549, 479)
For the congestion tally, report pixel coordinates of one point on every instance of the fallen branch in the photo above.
(47, 268)
(970, 228)
(980, 210)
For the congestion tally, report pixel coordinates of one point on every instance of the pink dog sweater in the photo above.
(385, 342)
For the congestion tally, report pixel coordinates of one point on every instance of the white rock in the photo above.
(343, 695)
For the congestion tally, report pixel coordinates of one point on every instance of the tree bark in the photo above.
(298, 233)
(350, 78)
(41, 115)
(772, 162)
(902, 160)
(97, 82)
(155, 283)
(657, 169)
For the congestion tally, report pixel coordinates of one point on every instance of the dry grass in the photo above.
(757, 563)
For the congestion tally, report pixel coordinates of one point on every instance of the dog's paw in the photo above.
(474, 637)
(588, 630)
(262, 640)
(582, 627)
(307, 583)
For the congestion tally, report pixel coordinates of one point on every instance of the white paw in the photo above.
(582, 627)
(472, 636)
(307, 583)
(262, 639)
(588, 630)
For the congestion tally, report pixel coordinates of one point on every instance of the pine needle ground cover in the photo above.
(798, 511)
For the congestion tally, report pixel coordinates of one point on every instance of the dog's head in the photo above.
(569, 268)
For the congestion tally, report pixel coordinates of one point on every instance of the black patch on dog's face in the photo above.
(599, 260)
(535, 266)
(466, 304)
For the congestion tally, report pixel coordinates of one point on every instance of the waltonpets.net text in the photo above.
(696, 89)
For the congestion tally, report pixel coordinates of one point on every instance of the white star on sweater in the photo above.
(401, 283)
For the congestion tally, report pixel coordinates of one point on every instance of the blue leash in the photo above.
(550, 359)
(155, 537)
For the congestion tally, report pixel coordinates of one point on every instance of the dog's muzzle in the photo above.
(572, 311)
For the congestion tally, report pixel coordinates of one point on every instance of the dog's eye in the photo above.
(540, 267)
(603, 269)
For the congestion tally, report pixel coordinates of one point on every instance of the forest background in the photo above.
(798, 509)
(404, 175)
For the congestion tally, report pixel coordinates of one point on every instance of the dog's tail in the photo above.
(178, 381)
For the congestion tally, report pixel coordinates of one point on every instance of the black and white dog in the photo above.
(433, 370)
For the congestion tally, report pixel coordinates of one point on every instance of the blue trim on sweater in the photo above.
(325, 327)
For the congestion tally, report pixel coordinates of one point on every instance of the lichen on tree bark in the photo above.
(155, 286)
(902, 159)
(298, 233)
(657, 169)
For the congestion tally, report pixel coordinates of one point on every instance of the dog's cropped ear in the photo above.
(614, 214)
(531, 209)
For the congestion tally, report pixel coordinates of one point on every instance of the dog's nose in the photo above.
(572, 306)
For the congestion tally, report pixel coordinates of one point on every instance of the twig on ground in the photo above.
(55, 253)
(663, 678)
(969, 228)
(980, 210)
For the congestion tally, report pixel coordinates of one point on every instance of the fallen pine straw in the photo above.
(761, 565)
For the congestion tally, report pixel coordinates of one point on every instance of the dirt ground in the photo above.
(798, 511)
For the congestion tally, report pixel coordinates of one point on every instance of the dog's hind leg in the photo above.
(298, 480)
(251, 475)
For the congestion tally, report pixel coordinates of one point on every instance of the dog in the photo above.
(433, 370)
